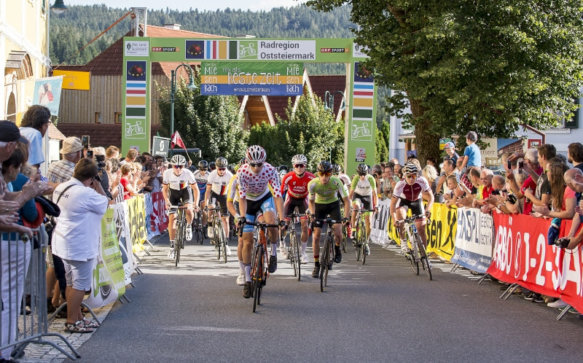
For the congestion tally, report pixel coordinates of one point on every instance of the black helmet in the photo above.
(221, 162)
(324, 167)
(336, 169)
(203, 165)
(212, 165)
(282, 168)
(362, 169)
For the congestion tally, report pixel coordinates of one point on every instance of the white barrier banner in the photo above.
(378, 231)
(474, 239)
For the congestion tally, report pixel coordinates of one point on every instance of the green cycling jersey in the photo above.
(326, 193)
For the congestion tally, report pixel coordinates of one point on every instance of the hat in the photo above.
(449, 145)
(10, 132)
(71, 145)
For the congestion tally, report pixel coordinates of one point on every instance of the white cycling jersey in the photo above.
(178, 182)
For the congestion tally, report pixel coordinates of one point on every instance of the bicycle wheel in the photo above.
(325, 264)
(223, 243)
(360, 238)
(362, 252)
(257, 276)
(344, 238)
(415, 253)
(425, 260)
(180, 237)
(292, 252)
(298, 257)
(216, 231)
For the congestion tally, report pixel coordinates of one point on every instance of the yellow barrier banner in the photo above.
(137, 222)
(441, 232)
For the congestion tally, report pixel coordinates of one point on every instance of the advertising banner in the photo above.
(137, 222)
(378, 230)
(442, 230)
(252, 78)
(122, 229)
(47, 92)
(108, 282)
(473, 239)
(80, 81)
(158, 220)
(522, 256)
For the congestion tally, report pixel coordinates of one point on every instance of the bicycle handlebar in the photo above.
(414, 218)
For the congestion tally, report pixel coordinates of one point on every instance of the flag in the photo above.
(177, 140)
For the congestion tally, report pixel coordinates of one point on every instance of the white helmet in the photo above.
(255, 154)
(299, 159)
(178, 160)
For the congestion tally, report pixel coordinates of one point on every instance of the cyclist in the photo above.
(233, 207)
(363, 192)
(175, 189)
(296, 184)
(255, 196)
(216, 191)
(201, 176)
(409, 193)
(323, 193)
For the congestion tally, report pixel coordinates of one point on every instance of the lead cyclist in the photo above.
(410, 193)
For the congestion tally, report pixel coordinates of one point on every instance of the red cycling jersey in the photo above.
(297, 187)
(411, 192)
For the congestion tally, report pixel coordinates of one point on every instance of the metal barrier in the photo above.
(23, 317)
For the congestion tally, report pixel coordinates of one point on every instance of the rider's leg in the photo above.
(189, 214)
(401, 215)
(316, 242)
(337, 233)
(304, 236)
(367, 219)
(246, 254)
(171, 226)
(353, 220)
(226, 225)
(269, 217)
(420, 224)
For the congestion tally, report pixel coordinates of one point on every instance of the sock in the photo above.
(241, 265)
(274, 249)
(304, 245)
(316, 259)
(171, 243)
(247, 273)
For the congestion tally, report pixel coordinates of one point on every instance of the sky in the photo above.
(185, 5)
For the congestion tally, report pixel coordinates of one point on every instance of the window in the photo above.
(97, 117)
(117, 117)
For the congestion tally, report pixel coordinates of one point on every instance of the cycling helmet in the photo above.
(255, 154)
(324, 167)
(221, 162)
(299, 159)
(362, 169)
(203, 165)
(178, 160)
(336, 168)
(212, 166)
(410, 168)
(282, 168)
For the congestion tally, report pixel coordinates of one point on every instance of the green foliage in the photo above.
(207, 122)
(487, 66)
(382, 150)
(311, 131)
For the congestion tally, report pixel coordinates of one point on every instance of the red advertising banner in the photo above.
(521, 255)
(158, 218)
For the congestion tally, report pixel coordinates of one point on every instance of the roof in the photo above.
(55, 133)
(109, 62)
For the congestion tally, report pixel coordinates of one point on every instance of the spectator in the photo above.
(575, 155)
(126, 181)
(33, 127)
(60, 172)
(112, 152)
(486, 176)
(563, 198)
(430, 174)
(448, 169)
(432, 162)
(472, 156)
(574, 180)
(396, 167)
(130, 156)
(76, 237)
(103, 177)
(530, 165)
(451, 153)
(456, 192)
(542, 194)
(114, 174)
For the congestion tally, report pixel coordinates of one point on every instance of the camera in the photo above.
(521, 164)
(511, 198)
(509, 164)
(90, 154)
(562, 242)
(100, 159)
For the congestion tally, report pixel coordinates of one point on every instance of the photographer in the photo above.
(98, 154)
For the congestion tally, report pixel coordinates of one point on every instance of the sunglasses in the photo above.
(178, 166)
(411, 176)
(222, 169)
(256, 165)
(324, 173)
(299, 166)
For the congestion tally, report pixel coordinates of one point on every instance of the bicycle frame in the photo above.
(180, 230)
(327, 255)
(418, 252)
(218, 232)
(361, 233)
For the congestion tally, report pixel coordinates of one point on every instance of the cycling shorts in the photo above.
(222, 202)
(291, 203)
(365, 200)
(264, 204)
(416, 206)
(323, 210)
(183, 196)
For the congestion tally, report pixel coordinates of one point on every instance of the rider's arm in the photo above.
(346, 208)
(195, 194)
(231, 208)
(165, 194)
(428, 196)
(207, 193)
(373, 184)
(242, 206)
(279, 207)
(393, 206)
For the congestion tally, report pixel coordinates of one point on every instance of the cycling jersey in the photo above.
(326, 193)
(411, 192)
(364, 187)
(254, 186)
(201, 180)
(219, 183)
(178, 182)
(233, 190)
(297, 187)
(345, 179)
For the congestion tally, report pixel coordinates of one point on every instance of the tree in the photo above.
(210, 123)
(311, 131)
(461, 65)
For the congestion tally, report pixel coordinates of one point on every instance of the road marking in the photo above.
(210, 329)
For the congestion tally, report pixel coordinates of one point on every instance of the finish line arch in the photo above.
(242, 53)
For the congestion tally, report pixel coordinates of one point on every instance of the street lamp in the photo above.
(59, 7)
(329, 100)
(191, 86)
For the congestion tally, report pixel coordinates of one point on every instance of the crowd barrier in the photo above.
(24, 319)
(510, 248)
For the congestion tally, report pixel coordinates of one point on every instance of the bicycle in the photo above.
(197, 230)
(180, 235)
(418, 253)
(361, 243)
(327, 255)
(220, 241)
(294, 246)
(259, 260)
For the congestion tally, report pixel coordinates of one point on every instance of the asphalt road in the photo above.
(380, 312)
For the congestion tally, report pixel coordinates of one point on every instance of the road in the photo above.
(374, 313)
